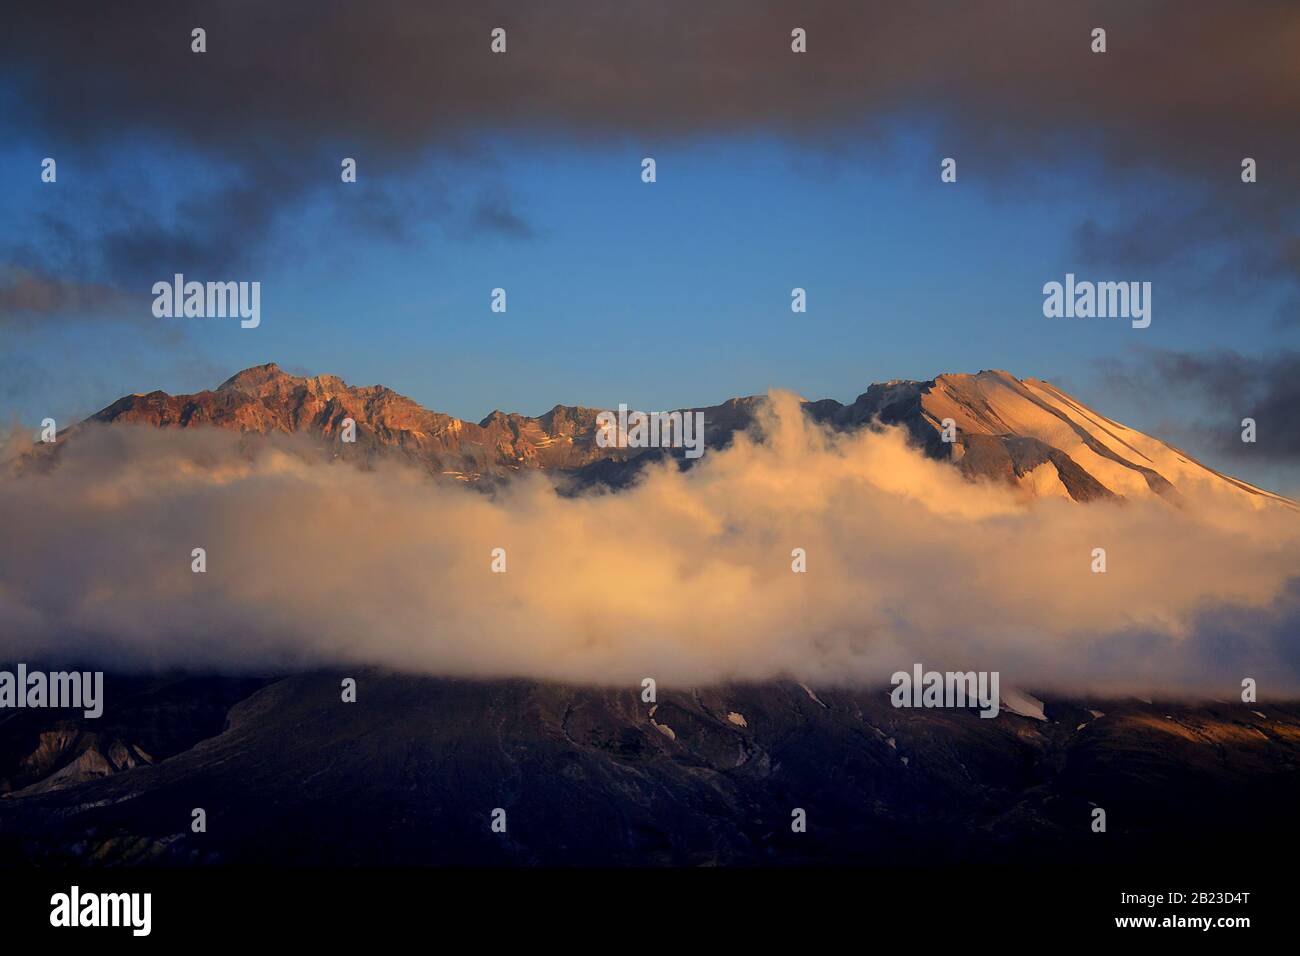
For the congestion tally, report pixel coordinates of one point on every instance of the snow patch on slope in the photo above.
(1023, 704)
(809, 691)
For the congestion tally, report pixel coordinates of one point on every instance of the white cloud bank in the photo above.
(685, 577)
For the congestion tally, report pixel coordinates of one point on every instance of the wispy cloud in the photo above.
(1225, 387)
(29, 298)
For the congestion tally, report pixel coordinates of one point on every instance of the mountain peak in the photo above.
(252, 379)
(1023, 432)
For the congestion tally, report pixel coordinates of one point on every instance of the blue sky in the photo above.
(663, 294)
(658, 295)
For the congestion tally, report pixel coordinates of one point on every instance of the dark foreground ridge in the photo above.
(411, 773)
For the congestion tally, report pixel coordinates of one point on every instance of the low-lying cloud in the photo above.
(685, 577)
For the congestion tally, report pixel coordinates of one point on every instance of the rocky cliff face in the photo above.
(1024, 432)
(266, 399)
(157, 717)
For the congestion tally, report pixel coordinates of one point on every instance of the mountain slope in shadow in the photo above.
(412, 771)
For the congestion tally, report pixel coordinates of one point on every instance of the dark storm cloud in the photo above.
(231, 220)
(28, 297)
(1181, 79)
(1228, 387)
(1186, 87)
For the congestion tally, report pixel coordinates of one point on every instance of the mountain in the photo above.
(1031, 434)
(411, 772)
(1023, 432)
(266, 399)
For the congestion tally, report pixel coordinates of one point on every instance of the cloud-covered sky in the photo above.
(776, 170)
(686, 577)
(1209, 392)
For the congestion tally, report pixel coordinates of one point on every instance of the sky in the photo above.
(774, 170)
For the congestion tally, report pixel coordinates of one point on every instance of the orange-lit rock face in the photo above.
(1022, 432)
(266, 399)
